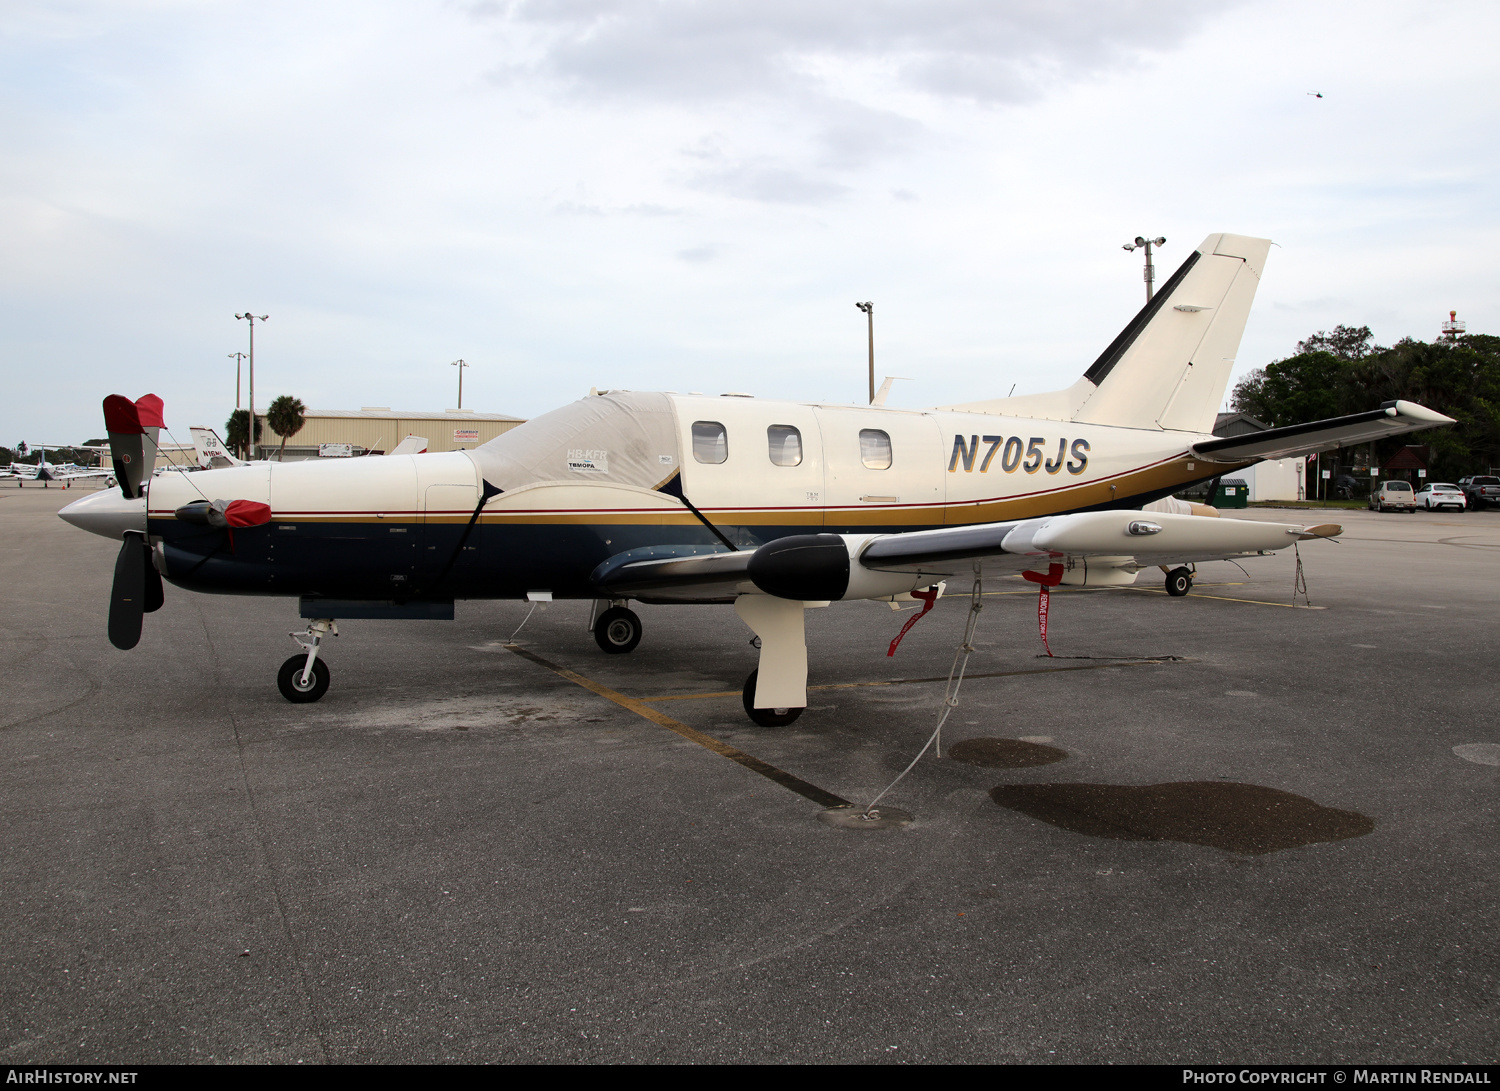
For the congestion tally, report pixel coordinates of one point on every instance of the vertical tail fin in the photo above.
(210, 449)
(1169, 367)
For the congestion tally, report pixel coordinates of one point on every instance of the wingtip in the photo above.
(1322, 530)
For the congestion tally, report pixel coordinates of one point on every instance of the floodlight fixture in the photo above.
(250, 423)
(869, 309)
(1146, 244)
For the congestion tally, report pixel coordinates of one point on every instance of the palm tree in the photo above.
(237, 428)
(286, 416)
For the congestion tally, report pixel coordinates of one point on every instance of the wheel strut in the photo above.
(305, 678)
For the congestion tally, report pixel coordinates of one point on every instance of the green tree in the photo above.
(236, 429)
(286, 416)
(1343, 372)
(1345, 342)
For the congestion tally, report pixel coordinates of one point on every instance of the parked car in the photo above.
(1480, 490)
(1393, 496)
(1437, 494)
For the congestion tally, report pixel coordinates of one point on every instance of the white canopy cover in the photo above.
(620, 438)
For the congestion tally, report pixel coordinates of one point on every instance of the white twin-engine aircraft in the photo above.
(773, 506)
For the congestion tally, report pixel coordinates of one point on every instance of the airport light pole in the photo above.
(459, 363)
(239, 359)
(1147, 244)
(250, 423)
(869, 309)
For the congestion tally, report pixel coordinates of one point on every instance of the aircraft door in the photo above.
(451, 539)
(884, 469)
(754, 466)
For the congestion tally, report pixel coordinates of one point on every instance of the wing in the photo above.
(1094, 548)
(1391, 419)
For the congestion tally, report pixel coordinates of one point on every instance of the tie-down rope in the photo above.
(950, 693)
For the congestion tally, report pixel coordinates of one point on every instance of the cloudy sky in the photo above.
(688, 195)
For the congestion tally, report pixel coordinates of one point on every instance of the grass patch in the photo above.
(1348, 505)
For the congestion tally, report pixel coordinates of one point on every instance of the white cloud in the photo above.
(692, 195)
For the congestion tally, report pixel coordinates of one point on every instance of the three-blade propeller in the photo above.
(137, 591)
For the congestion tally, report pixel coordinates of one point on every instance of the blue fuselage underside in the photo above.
(417, 561)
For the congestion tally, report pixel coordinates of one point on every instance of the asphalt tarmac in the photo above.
(1265, 849)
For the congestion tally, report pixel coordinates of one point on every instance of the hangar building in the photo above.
(376, 429)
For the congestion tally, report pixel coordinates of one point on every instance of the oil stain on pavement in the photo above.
(1243, 818)
(1004, 753)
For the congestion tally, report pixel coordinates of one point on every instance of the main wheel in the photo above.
(1179, 582)
(289, 680)
(765, 717)
(618, 630)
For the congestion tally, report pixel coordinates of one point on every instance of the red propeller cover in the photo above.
(149, 409)
(121, 415)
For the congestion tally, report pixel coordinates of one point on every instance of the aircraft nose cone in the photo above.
(107, 513)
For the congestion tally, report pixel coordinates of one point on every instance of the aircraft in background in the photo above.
(776, 507)
(210, 450)
(64, 473)
(411, 445)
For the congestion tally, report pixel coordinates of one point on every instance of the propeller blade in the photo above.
(127, 598)
(148, 408)
(155, 599)
(127, 442)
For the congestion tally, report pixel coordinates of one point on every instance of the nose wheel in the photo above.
(618, 630)
(303, 678)
(1179, 582)
(297, 685)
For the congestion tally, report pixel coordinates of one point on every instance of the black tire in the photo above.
(765, 717)
(289, 680)
(1179, 582)
(617, 630)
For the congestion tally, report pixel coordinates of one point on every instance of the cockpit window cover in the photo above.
(622, 438)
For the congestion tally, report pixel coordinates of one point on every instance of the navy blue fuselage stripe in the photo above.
(377, 561)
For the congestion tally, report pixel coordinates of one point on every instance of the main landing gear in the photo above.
(765, 717)
(617, 630)
(303, 678)
(1179, 582)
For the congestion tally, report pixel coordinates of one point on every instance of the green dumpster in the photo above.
(1232, 493)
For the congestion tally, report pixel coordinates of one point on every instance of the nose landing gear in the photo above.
(303, 679)
(1179, 582)
(617, 630)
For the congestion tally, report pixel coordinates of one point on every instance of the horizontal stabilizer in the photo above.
(1391, 419)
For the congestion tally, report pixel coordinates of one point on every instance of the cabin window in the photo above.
(875, 448)
(710, 444)
(786, 445)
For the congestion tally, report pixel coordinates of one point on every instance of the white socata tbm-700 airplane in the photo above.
(772, 506)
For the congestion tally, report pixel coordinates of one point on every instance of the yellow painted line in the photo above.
(922, 681)
(1120, 587)
(708, 742)
(1226, 598)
